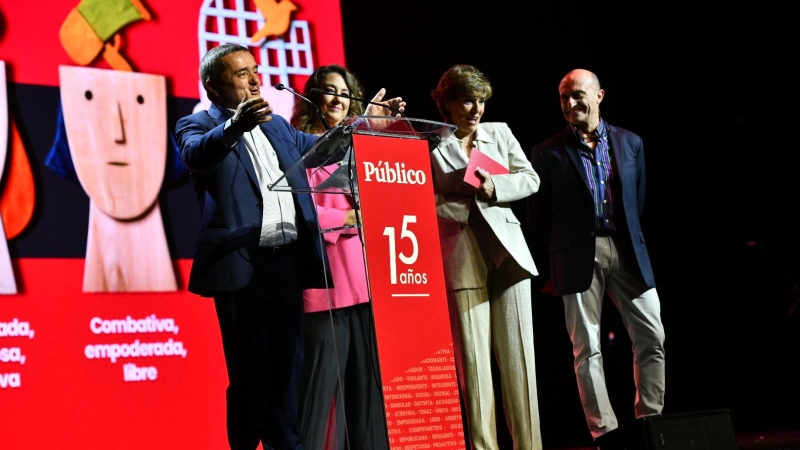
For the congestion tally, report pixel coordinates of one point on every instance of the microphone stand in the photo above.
(365, 102)
(282, 87)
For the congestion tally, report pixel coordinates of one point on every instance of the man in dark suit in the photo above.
(255, 252)
(587, 213)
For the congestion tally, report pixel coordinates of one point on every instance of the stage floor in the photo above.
(768, 440)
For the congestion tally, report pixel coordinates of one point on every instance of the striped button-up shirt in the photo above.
(599, 171)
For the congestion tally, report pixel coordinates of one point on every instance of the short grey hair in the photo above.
(211, 66)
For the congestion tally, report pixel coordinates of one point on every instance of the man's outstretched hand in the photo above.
(250, 113)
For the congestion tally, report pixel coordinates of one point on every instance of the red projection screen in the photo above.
(108, 349)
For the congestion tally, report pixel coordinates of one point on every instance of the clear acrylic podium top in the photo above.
(335, 147)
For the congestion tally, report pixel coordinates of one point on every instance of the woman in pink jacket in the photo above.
(341, 403)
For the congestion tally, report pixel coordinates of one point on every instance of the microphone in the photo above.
(282, 87)
(321, 92)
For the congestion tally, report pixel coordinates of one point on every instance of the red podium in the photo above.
(385, 164)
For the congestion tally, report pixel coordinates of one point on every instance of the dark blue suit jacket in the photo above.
(561, 214)
(230, 200)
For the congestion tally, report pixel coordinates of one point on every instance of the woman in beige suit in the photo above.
(488, 266)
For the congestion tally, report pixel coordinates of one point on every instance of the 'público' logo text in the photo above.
(384, 173)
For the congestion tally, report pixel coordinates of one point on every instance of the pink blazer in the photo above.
(345, 252)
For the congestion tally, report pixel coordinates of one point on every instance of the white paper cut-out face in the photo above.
(116, 125)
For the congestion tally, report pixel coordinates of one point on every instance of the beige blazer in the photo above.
(471, 244)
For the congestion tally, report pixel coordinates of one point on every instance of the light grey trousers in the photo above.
(616, 274)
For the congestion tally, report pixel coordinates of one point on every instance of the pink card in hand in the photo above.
(478, 159)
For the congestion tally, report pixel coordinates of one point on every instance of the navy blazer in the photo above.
(562, 212)
(231, 204)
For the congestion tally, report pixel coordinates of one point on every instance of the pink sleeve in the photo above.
(330, 218)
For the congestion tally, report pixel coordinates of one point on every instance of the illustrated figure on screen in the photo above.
(280, 45)
(18, 195)
(92, 29)
(116, 128)
(8, 284)
(115, 124)
(277, 16)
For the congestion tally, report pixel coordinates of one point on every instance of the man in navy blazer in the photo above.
(256, 249)
(587, 214)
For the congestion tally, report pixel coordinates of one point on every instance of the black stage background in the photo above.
(708, 91)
